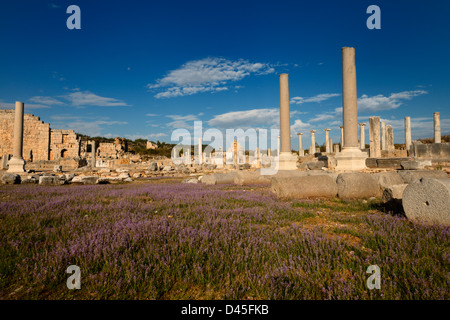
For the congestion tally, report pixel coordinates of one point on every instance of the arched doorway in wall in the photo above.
(64, 153)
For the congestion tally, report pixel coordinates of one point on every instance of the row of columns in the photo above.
(383, 139)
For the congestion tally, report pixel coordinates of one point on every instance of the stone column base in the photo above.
(287, 161)
(351, 159)
(16, 165)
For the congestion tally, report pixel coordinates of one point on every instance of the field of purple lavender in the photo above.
(169, 240)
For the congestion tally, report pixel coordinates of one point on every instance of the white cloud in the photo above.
(206, 75)
(8, 105)
(86, 98)
(318, 98)
(181, 121)
(151, 115)
(150, 136)
(255, 118)
(323, 117)
(156, 135)
(381, 102)
(246, 119)
(299, 126)
(45, 100)
(61, 117)
(91, 128)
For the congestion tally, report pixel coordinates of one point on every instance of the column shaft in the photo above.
(312, 150)
(18, 131)
(407, 133)
(437, 128)
(349, 98)
(383, 135)
(374, 137)
(327, 141)
(285, 127)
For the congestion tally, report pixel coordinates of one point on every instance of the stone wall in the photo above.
(107, 150)
(112, 150)
(433, 151)
(64, 144)
(40, 143)
(36, 136)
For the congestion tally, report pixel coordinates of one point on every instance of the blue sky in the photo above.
(141, 69)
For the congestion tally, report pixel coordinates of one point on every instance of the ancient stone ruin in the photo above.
(412, 178)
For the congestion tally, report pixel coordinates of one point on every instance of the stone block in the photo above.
(371, 163)
(219, 178)
(306, 186)
(357, 185)
(11, 178)
(409, 176)
(392, 163)
(69, 176)
(251, 177)
(392, 197)
(415, 164)
(191, 180)
(50, 181)
(387, 179)
(30, 180)
(85, 179)
(316, 165)
(5, 160)
(124, 175)
(427, 201)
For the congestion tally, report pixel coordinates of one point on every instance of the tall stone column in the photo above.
(407, 134)
(390, 138)
(383, 135)
(312, 149)
(258, 158)
(351, 158)
(93, 154)
(200, 151)
(331, 144)
(235, 154)
(285, 125)
(327, 140)
(437, 127)
(349, 97)
(17, 163)
(286, 160)
(342, 136)
(278, 145)
(301, 151)
(374, 137)
(336, 148)
(362, 135)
